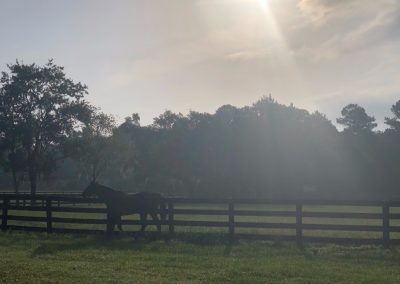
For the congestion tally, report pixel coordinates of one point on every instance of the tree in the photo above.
(394, 122)
(12, 160)
(166, 120)
(94, 146)
(130, 122)
(356, 120)
(13, 157)
(39, 108)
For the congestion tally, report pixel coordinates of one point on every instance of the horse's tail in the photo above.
(163, 209)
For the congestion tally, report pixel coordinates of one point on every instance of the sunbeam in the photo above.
(264, 4)
(282, 51)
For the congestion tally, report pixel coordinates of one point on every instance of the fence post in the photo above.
(171, 227)
(386, 225)
(299, 225)
(49, 216)
(4, 216)
(231, 212)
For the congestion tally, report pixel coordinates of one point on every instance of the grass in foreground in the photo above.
(33, 257)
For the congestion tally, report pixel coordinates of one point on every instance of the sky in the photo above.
(147, 56)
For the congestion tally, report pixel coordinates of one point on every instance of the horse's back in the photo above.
(147, 199)
(144, 201)
(148, 195)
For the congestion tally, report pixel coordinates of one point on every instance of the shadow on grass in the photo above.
(94, 243)
(150, 241)
(137, 242)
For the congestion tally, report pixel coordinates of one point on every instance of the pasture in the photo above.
(201, 249)
(189, 258)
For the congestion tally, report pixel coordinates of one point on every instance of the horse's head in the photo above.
(90, 190)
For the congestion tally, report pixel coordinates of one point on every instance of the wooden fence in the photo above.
(384, 217)
(24, 199)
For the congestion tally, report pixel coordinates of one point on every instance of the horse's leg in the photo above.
(110, 221)
(143, 217)
(155, 218)
(110, 226)
(119, 221)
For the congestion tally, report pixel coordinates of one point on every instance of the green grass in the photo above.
(190, 258)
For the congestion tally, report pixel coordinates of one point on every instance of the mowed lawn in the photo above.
(190, 258)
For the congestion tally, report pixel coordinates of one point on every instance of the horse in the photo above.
(119, 203)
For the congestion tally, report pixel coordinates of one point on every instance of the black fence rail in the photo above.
(24, 196)
(379, 218)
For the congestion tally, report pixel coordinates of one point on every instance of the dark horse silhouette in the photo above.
(119, 203)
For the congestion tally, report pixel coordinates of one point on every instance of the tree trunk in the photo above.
(32, 171)
(32, 176)
(33, 179)
(16, 185)
(15, 181)
(94, 173)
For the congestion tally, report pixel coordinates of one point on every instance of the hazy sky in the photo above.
(146, 56)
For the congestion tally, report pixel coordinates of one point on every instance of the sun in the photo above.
(263, 4)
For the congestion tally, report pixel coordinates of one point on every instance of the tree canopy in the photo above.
(356, 120)
(39, 108)
(394, 122)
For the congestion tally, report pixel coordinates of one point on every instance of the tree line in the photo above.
(52, 138)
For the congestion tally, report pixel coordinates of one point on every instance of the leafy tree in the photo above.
(39, 108)
(13, 157)
(126, 136)
(198, 119)
(94, 146)
(394, 122)
(13, 160)
(356, 120)
(132, 121)
(166, 120)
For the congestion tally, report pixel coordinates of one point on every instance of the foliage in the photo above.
(39, 108)
(93, 147)
(356, 120)
(394, 122)
(166, 120)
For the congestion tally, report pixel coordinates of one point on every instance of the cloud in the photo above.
(315, 10)
(345, 27)
(247, 55)
(321, 11)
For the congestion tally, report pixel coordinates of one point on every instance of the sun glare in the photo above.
(282, 52)
(263, 4)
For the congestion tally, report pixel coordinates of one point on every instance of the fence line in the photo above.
(50, 204)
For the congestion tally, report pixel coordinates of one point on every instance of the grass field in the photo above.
(190, 258)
